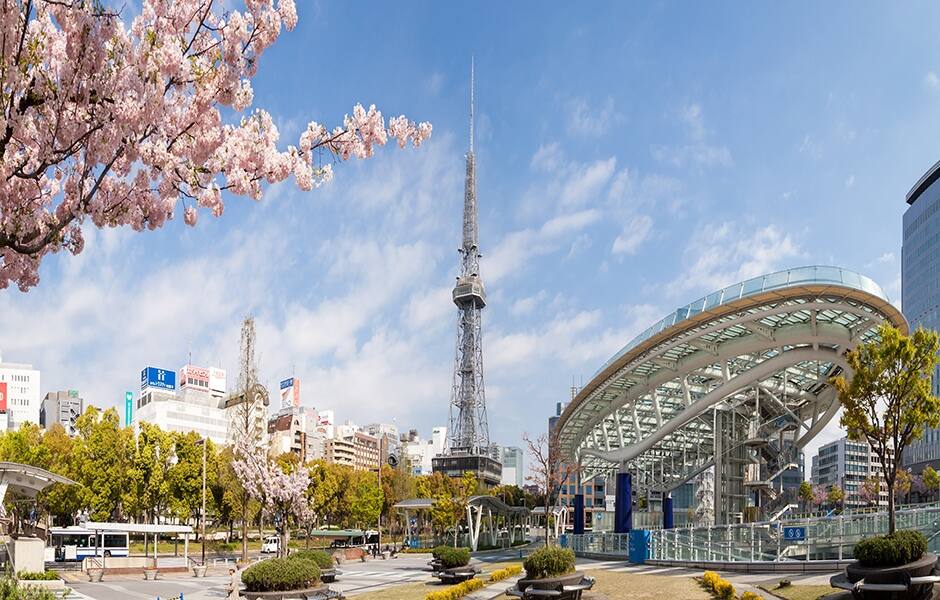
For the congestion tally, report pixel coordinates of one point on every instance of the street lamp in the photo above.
(202, 528)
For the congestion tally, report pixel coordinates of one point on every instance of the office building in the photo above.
(62, 407)
(513, 472)
(340, 452)
(19, 389)
(418, 454)
(920, 289)
(847, 464)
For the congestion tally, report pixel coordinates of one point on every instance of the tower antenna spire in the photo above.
(471, 103)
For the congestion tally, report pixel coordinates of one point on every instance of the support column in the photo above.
(667, 512)
(623, 507)
(579, 514)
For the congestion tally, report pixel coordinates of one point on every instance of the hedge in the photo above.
(37, 575)
(319, 557)
(455, 592)
(898, 548)
(720, 588)
(280, 575)
(501, 574)
(550, 561)
(452, 557)
(750, 596)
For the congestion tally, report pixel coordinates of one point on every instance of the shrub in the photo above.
(456, 591)
(550, 561)
(784, 583)
(10, 589)
(453, 557)
(37, 575)
(720, 588)
(280, 574)
(319, 557)
(501, 574)
(891, 550)
(750, 596)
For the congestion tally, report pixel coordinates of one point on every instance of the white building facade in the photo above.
(196, 404)
(512, 459)
(21, 403)
(848, 464)
(418, 453)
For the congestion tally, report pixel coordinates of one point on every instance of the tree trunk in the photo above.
(245, 532)
(891, 524)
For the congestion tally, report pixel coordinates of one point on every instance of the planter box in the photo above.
(95, 574)
(569, 586)
(327, 575)
(315, 593)
(54, 585)
(458, 574)
(150, 574)
(200, 571)
(899, 575)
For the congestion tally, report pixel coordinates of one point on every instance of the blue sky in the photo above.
(631, 157)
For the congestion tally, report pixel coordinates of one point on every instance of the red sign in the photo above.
(3, 396)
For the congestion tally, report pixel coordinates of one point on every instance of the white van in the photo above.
(270, 544)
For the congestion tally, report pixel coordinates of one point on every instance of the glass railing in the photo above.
(820, 538)
(751, 287)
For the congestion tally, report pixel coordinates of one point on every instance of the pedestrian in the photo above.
(234, 584)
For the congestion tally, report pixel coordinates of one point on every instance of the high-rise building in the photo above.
(920, 288)
(469, 448)
(62, 407)
(848, 465)
(512, 459)
(195, 404)
(341, 452)
(419, 454)
(19, 387)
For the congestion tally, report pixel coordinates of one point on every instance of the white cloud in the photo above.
(698, 152)
(850, 181)
(722, 254)
(587, 120)
(525, 306)
(517, 247)
(547, 158)
(434, 83)
(811, 147)
(635, 232)
(931, 81)
(584, 182)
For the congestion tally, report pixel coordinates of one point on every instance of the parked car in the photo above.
(270, 544)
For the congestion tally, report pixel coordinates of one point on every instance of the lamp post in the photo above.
(202, 526)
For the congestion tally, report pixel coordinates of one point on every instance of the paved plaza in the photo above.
(358, 578)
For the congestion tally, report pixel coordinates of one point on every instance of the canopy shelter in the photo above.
(26, 480)
(481, 511)
(154, 529)
(559, 514)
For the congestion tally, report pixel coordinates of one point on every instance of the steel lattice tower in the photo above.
(469, 431)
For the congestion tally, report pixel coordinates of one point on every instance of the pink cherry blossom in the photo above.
(115, 125)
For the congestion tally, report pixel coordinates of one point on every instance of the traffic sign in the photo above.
(794, 534)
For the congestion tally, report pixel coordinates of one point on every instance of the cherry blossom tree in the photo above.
(870, 491)
(820, 495)
(118, 125)
(282, 495)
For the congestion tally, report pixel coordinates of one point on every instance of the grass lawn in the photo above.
(630, 586)
(407, 591)
(801, 592)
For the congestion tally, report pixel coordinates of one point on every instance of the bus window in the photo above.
(115, 540)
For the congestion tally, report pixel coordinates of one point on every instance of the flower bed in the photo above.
(506, 573)
(456, 591)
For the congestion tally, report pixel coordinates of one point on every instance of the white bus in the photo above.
(76, 543)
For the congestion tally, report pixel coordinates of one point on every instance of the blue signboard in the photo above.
(158, 378)
(287, 383)
(794, 534)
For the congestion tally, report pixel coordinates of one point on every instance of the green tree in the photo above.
(365, 500)
(931, 480)
(887, 402)
(184, 476)
(101, 460)
(835, 496)
(147, 490)
(59, 500)
(806, 494)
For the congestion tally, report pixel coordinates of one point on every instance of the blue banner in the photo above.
(158, 378)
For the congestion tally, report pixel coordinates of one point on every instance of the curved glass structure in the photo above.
(726, 390)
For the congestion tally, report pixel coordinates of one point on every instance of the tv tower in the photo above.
(469, 447)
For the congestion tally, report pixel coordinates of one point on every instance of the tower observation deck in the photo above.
(469, 445)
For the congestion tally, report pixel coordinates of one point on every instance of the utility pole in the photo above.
(205, 442)
(382, 496)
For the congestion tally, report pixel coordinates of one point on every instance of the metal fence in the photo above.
(816, 538)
